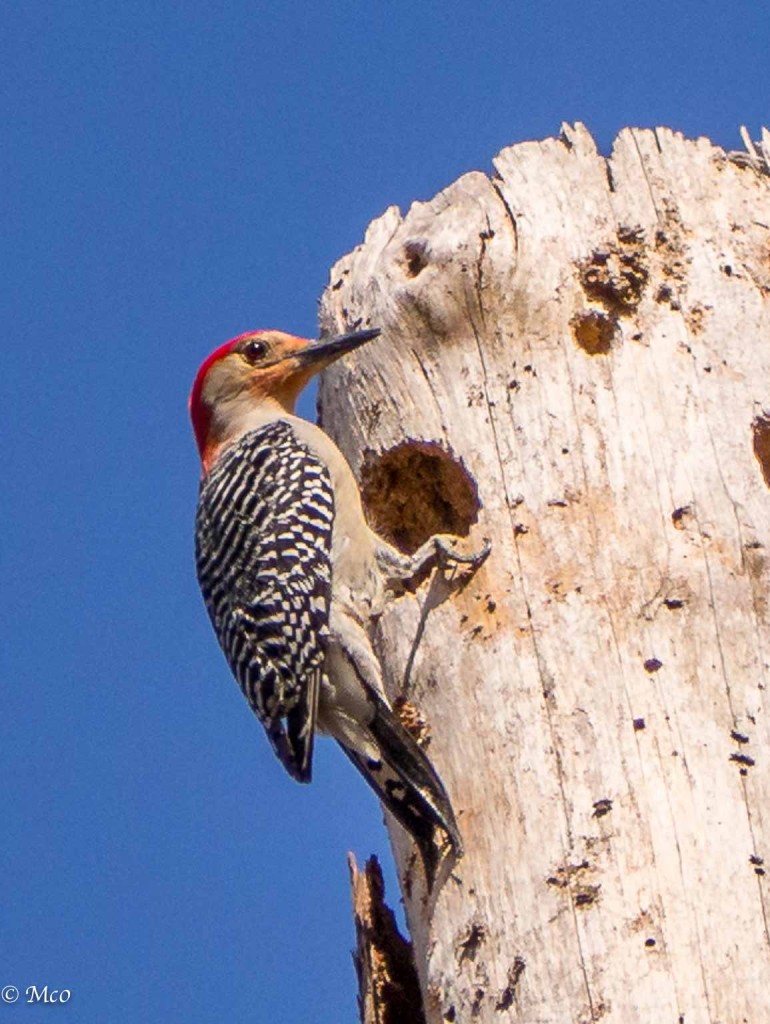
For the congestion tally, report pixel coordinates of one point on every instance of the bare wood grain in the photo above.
(589, 339)
(388, 988)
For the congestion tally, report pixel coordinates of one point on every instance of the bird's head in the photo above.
(258, 371)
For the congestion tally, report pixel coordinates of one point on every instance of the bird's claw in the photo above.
(447, 556)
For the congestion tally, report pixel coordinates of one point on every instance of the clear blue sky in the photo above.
(172, 174)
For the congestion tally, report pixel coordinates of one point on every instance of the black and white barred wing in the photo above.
(263, 555)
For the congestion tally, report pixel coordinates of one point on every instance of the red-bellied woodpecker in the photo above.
(291, 575)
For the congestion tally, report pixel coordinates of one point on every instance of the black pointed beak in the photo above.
(323, 352)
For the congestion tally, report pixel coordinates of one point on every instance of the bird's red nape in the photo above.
(199, 413)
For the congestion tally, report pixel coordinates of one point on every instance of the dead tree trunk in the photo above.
(576, 353)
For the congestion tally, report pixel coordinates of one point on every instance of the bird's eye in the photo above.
(254, 350)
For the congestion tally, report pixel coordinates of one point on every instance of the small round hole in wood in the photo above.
(594, 331)
(762, 445)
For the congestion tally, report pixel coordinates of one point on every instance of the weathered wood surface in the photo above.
(590, 339)
(388, 986)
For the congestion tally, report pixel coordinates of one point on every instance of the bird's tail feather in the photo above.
(409, 787)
